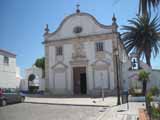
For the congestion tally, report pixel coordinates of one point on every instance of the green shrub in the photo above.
(149, 97)
(155, 113)
(154, 90)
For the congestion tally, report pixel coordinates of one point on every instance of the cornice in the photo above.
(106, 36)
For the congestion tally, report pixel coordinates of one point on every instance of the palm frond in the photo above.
(146, 5)
(141, 36)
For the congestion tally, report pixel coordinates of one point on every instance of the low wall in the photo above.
(141, 99)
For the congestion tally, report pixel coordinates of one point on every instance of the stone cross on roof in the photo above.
(46, 29)
(114, 18)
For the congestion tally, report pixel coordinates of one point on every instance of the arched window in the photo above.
(31, 77)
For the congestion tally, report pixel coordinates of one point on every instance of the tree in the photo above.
(146, 5)
(142, 37)
(144, 77)
(40, 63)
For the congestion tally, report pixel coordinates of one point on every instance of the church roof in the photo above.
(81, 14)
(88, 23)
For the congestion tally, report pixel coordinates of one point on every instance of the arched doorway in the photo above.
(32, 87)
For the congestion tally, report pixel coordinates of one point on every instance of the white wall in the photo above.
(101, 79)
(52, 61)
(24, 84)
(67, 58)
(42, 84)
(58, 80)
(154, 78)
(129, 82)
(8, 73)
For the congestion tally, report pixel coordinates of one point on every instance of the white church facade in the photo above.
(83, 57)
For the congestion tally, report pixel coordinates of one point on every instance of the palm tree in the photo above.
(144, 77)
(146, 5)
(142, 37)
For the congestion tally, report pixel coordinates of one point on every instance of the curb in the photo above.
(68, 104)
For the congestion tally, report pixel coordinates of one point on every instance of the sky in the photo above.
(22, 22)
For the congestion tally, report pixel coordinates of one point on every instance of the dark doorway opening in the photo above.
(83, 84)
(79, 80)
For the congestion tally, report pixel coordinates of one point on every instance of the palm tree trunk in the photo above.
(144, 7)
(138, 56)
(148, 62)
(144, 87)
(138, 60)
(144, 92)
(148, 57)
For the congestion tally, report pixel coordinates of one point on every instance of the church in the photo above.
(84, 57)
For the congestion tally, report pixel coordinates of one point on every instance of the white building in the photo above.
(82, 56)
(37, 81)
(9, 75)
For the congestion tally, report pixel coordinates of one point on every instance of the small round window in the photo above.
(77, 29)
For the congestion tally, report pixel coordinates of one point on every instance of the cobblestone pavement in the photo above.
(28, 111)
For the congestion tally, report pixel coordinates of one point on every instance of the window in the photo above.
(77, 29)
(134, 64)
(6, 60)
(99, 46)
(59, 51)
